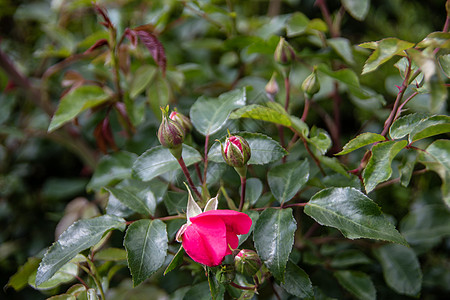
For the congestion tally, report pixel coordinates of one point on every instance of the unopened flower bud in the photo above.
(272, 86)
(236, 151)
(284, 53)
(311, 84)
(226, 274)
(171, 134)
(181, 119)
(247, 262)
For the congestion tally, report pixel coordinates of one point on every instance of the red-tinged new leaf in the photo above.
(104, 13)
(98, 44)
(131, 35)
(154, 46)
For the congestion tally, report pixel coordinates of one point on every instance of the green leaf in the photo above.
(20, 279)
(287, 179)
(65, 274)
(436, 158)
(348, 258)
(358, 9)
(297, 24)
(426, 224)
(444, 62)
(274, 237)
(297, 282)
(176, 261)
(353, 213)
(253, 190)
(264, 113)
(209, 115)
(158, 160)
(217, 290)
(141, 78)
(76, 101)
(145, 206)
(435, 40)
(158, 94)
(346, 76)
(299, 127)
(401, 269)
(320, 139)
(385, 50)
(175, 202)
(357, 283)
(111, 254)
(334, 164)
(263, 149)
(254, 216)
(379, 168)
(405, 125)
(112, 168)
(200, 291)
(438, 93)
(360, 141)
(343, 48)
(430, 127)
(79, 236)
(146, 245)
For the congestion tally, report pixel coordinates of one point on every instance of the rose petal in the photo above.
(237, 222)
(205, 240)
(232, 242)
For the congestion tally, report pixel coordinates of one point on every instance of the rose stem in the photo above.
(188, 176)
(243, 183)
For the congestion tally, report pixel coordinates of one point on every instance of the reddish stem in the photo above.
(306, 109)
(287, 87)
(242, 287)
(188, 177)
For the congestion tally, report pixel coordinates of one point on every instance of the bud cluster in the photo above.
(172, 131)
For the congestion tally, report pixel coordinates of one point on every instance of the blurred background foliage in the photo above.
(43, 178)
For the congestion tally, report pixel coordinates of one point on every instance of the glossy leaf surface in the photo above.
(274, 237)
(287, 179)
(353, 213)
(146, 245)
(158, 160)
(78, 237)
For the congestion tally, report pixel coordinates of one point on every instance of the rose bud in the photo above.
(272, 86)
(181, 119)
(236, 152)
(247, 262)
(311, 84)
(171, 134)
(284, 53)
(226, 274)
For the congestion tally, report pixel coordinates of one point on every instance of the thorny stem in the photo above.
(243, 184)
(199, 173)
(188, 177)
(326, 15)
(82, 282)
(400, 94)
(399, 111)
(316, 160)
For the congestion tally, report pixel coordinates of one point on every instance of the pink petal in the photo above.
(205, 240)
(237, 222)
(232, 242)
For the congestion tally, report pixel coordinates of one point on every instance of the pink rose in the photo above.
(211, 235)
